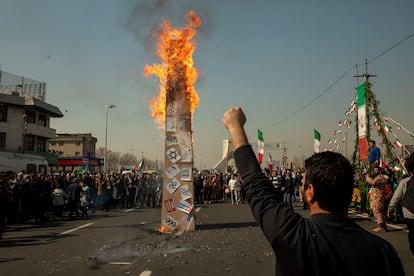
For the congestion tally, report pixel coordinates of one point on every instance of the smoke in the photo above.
(145, 17)
(142, 21)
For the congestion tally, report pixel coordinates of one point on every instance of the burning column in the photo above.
(173, 110)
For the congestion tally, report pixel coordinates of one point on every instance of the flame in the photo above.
(175, 48)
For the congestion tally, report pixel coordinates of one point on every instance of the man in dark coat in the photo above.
(74, 193)
(327, 243)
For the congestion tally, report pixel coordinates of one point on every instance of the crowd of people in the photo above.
(39, 197)
(31, 197)
(214, 187)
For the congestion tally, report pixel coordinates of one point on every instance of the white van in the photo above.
(17, 162)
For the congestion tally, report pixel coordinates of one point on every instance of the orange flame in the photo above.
(175, 48)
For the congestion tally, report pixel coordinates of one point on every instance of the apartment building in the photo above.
(76, 151)
(25, 124)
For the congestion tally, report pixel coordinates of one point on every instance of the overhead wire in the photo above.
(337, 81)
(312, 101)
(392, 47)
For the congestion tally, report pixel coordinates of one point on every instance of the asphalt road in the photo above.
(126, 242)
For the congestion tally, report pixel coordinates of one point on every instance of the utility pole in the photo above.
(366, 76)
(284, 155)
(372, 109)
(106, 136)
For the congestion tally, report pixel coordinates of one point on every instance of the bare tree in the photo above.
(128, 159)
(113, 161)
(116, 159)
(100, 152)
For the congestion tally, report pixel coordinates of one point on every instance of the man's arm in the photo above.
(266, 203)
(396, 197)
(369, 180)
(234, 120)
(398, 193)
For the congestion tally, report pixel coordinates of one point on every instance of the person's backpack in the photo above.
(408, 198)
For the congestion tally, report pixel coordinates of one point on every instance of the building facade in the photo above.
(73, 145)
(76, 151)
(25, 124)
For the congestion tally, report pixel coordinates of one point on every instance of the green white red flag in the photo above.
(382, 163)
(362, 123)
(140, 166)
(270, 163)
(260, 146)
(316, 141)
(398, 144)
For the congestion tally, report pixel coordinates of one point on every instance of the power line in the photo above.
(312, 101)
(337, 81)
(392, 47)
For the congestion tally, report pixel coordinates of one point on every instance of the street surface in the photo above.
(126, 242)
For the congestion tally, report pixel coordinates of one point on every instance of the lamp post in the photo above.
(106, 135)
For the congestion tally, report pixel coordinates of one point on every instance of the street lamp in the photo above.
(106, 135)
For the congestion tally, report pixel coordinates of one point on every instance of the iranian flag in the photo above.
(382, 163)
(270, 163)
(398, 144)
(362, 123)
(140, 166)
(260, 146)
(316, 141)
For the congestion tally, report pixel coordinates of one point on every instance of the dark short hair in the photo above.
(372, 141)
(332, 177)
(409, 163)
